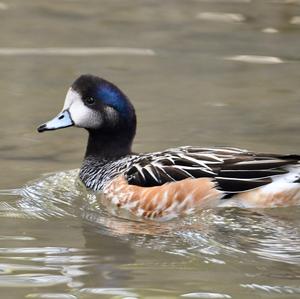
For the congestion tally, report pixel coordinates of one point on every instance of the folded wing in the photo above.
(233, 170)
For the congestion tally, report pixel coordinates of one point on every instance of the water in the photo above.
(199, 73)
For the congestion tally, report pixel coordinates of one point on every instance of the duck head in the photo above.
(100, 107)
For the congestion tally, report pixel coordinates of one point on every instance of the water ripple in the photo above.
(50, 196)
(272, 289)
(51, 296)
(205, 295)
(214, 236)
(110, 291)
(32, 280)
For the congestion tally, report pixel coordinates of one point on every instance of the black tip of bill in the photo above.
(42, 128)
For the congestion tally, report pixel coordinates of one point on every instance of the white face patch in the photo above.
(81, 115)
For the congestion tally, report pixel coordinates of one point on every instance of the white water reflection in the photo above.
(51, 296)
(76, 51)
(295, 20)
(3, 6)
(256, 59)
(270, 30)
(32, 280)
(221, 17)
(110, 291)
(16, 238)
(205, 295)
(272, 289)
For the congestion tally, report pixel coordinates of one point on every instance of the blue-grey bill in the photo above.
(62, 120)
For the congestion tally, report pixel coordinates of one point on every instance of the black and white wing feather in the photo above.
(234, 170)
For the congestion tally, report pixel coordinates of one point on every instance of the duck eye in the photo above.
(90, 101)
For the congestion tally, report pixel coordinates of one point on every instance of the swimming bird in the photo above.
(177, 181)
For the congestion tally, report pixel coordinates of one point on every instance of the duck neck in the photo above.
(106, 146)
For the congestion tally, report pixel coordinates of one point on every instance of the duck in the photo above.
(174, 182)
